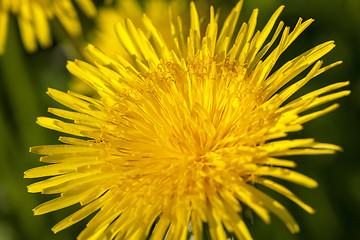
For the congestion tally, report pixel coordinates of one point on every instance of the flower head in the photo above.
(183, 134)
(33, 17)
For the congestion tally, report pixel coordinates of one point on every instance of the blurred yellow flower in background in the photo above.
(104, 36)
(33, 18)
(158, 11)
(183, 131)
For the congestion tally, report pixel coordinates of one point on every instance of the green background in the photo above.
(25, 77)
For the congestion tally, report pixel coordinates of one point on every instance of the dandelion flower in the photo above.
(33, 17)
(182, 135)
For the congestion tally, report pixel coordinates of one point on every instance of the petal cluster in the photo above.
(183, 133)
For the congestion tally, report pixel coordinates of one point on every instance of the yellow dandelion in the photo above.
(182, 135)
(33, 17)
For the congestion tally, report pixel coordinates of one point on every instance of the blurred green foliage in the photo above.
(24, 79)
